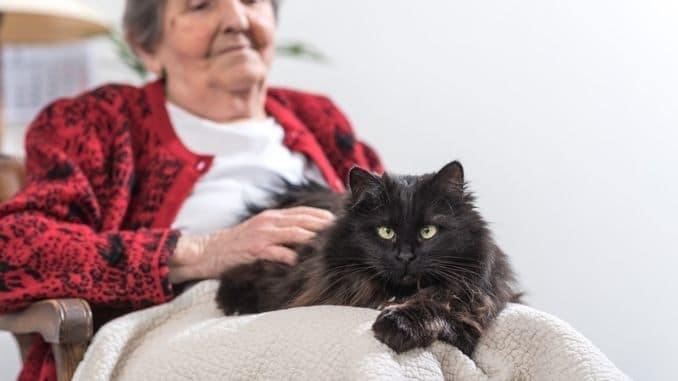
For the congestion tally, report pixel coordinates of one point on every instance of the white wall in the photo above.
(565, 115)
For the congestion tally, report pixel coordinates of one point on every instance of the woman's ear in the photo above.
(150, 60)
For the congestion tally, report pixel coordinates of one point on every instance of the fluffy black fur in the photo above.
(449, 286)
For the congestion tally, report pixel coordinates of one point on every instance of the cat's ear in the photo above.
(364, 186)
(450, 178)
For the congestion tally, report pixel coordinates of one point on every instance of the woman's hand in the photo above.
(260, 237)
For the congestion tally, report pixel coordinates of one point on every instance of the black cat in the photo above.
(413, 246)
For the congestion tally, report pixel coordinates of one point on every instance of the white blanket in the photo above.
(189, 339)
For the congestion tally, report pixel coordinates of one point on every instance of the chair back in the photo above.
(12, 176)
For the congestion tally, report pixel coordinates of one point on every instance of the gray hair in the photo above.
(143, 22)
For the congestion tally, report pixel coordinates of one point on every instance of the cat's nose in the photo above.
(405, 257)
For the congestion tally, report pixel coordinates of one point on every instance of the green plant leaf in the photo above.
(302, 50)
(127, 55)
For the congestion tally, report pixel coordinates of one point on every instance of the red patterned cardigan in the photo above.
(106, 177)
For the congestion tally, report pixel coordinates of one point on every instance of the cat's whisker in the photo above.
(453, 278)
(453, 265)
(340, 269)
(459, 271)
(338, 278)
(456, 270)
(350, 270)
(347, 264)
(450, 277)
(453, 259)
(344, 292)
(362, 297)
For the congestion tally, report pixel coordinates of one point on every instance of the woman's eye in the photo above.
(427, 232)
(385, 232)
(198, 5)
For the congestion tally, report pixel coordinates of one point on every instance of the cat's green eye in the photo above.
(385, 232)
(427, 232)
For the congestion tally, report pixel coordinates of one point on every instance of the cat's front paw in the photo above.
(401, 331)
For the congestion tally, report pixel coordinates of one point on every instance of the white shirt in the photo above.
(249, 159)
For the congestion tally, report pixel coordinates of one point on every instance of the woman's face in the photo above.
(221, 44)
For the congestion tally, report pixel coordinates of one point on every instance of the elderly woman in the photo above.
(132, 191)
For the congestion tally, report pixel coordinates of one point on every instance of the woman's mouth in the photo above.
(232, 49)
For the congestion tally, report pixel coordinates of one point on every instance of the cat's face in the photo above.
(415, 231)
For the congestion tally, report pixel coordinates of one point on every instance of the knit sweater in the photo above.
(106, 177)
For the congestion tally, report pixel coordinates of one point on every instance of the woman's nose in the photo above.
(234, 16)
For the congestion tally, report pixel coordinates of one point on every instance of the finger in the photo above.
(279, 254)
(289, 235)
(316, 212)
(305, 221)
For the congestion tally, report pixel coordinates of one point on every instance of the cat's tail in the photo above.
(253, 288)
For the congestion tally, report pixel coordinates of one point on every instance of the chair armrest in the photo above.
(59, 321)
(64, 323)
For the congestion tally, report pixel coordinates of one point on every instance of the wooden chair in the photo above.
(64, 323)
